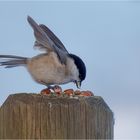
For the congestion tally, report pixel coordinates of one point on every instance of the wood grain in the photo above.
(35, 116)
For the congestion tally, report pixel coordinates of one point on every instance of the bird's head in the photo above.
(81, 69)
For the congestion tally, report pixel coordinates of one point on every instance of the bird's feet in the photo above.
(52, 89)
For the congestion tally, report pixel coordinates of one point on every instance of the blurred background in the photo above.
(105, 34)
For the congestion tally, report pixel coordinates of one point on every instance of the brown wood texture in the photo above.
(34, 116)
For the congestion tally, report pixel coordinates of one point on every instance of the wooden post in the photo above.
(34, 116)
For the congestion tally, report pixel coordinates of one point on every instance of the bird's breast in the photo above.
(47, 68)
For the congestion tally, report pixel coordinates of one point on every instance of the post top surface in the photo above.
(31, 98)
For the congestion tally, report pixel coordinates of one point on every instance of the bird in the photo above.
(55, 66)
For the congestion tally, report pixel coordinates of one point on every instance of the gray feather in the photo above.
(53, 37)
(41, 37)
(10, 61)
(11, 56)
(46, 40)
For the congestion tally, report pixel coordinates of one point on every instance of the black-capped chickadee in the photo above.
(54, 67)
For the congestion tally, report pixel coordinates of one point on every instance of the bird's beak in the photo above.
(78, 84)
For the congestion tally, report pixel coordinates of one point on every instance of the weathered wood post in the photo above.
(32, 116)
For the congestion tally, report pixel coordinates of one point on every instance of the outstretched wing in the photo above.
(53, 37)
(46, 40)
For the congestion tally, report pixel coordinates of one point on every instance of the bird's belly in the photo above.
(46, 76)
(47, 71)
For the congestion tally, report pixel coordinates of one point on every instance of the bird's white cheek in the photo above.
(74, 73)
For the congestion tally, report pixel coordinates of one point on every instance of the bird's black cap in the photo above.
(80, 65)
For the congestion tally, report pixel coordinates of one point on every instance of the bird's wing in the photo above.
(46, 40)
(53, 37)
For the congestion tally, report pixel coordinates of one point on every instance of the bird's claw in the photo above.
(52, 89)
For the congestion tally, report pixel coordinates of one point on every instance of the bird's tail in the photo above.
(10, 61)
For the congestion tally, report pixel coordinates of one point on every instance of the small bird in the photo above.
(56, 66)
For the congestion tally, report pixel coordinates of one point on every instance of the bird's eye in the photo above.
(80, 76)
